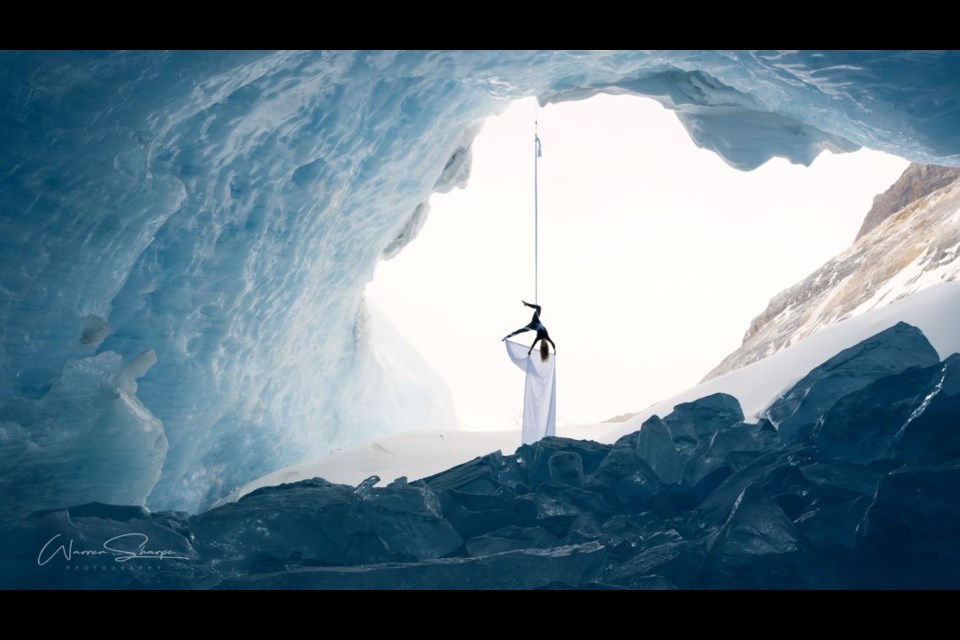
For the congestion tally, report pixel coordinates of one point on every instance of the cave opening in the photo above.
(654, 255)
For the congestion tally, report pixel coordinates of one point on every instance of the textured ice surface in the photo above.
(226, 209)
(89, 437)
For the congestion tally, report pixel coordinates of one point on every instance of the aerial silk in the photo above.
(540, 394)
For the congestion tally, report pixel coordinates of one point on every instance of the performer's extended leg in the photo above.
(515, 333)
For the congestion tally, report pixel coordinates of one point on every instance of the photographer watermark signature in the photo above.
(122, 548)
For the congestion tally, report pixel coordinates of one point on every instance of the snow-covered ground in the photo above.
(416, 454)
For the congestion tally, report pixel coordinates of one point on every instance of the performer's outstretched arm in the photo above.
(533, 345)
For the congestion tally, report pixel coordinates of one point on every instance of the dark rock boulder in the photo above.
(624, 535)
(691, 422)
(326, 524)
(625, 478)
(776, 473)
(721, 449)
(910, 535)
(673, 559)
(868, 424)
(931, 432)
(759, 548)
(566, 468)
(884, 354)
(484, 475)
(654, 445)
(557, 507)
(583, 529)
(473, 514)
(534, 459)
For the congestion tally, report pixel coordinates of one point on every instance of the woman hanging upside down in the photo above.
(542, 336)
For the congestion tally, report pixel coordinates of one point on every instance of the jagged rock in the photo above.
(526, 569)
(654, 445)
(867, 424)
(473, 514)
(823, 503)
(674, 559)
(714, 453)
(558, 506)
(932, 432)
(856, 479)
(777, 473)
(709, 483)
(663, 537)
(480, 475)
(828, 511)
(692, 421)
(886, 353)
(511, 539)
(326, 524)
(583, 529)
(627, 477)
(831, 528)
(624, 534)
(566, 467)
(534, 459)
(910, 536)
(759, 548)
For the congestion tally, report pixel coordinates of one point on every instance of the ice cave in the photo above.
(185, 238)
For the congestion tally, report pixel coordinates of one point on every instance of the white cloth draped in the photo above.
(540, 393)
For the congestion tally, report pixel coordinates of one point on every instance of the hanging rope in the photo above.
(537, 153)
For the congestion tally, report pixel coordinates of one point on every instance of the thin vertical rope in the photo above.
(536, 208)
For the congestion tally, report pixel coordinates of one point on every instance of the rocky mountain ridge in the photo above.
(917, 247)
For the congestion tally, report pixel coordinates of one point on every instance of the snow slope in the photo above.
(411, 454)
(224, 210)
(934, 311)
(417, 454)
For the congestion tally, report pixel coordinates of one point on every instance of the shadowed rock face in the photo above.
(909, 533)
(866, 497)
(889, 352)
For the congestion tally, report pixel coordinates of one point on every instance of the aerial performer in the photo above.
(543, 337)
(539, 398)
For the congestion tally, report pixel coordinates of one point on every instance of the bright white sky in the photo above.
(654, 255)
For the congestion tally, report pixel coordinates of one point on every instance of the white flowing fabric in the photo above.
(540, 394)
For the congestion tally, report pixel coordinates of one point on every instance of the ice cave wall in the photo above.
(185, 237)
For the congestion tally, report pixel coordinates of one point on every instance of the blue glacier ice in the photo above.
(185, 237)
